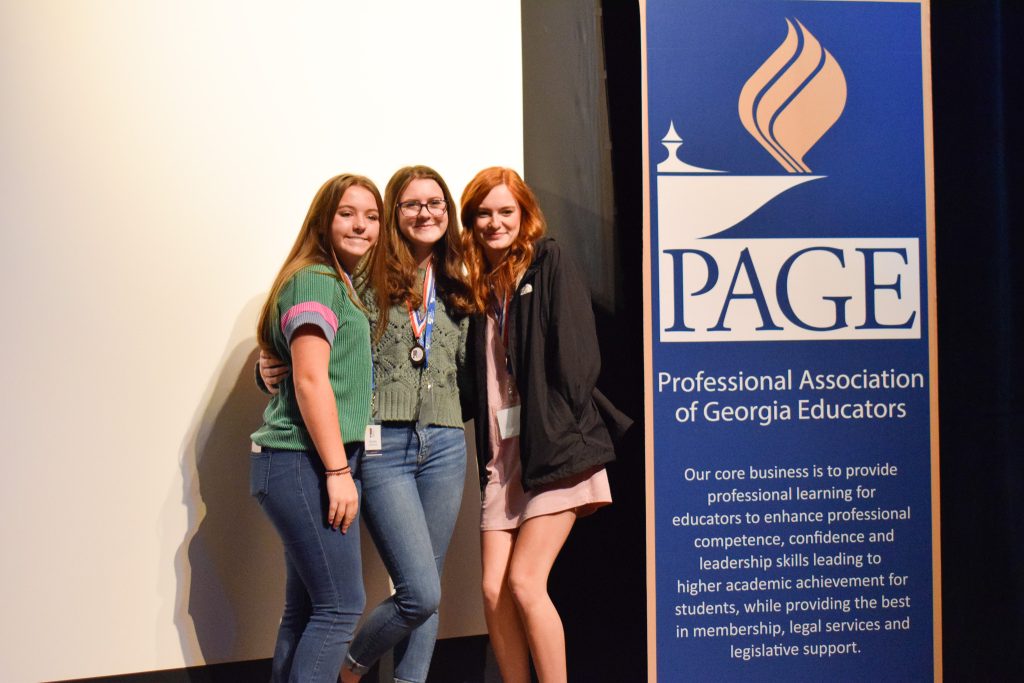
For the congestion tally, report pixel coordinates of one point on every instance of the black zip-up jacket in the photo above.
(555, 362)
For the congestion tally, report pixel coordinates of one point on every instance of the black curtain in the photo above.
(976, 75)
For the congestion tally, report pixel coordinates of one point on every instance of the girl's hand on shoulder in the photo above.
(272, 370)
(342, 501)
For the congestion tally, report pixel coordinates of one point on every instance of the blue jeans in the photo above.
(324, 595)
(411, 498)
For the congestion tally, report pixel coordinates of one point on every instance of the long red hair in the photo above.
(487, 281)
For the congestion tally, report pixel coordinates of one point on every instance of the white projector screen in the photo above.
(157, 160)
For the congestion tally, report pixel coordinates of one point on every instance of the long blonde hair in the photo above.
(391, 267)
(313, 246)
(502, 277)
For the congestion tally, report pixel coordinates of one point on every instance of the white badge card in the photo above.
(371, 440)
(508, 422)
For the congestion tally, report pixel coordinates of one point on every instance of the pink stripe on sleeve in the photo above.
(310, 307)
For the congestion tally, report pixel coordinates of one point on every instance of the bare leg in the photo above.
(503, 621)
(536, 546)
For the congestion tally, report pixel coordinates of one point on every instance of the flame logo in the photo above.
(792, 100)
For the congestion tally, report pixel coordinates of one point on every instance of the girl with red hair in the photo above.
(542, 442)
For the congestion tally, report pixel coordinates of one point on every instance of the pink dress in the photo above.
(505, 504)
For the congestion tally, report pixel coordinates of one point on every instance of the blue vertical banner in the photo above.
(791, 388)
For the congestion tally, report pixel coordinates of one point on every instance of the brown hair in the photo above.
(501, 277)
(391, 267)
(312, 246)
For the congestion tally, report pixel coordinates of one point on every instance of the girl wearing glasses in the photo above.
(414, 469)
(307, 454)
(541, 441)
(412, 490)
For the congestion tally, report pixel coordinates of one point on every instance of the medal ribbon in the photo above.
(423, 327)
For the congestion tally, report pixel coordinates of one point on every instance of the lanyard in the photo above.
(422, 328)
(501, 309)
(501, 316)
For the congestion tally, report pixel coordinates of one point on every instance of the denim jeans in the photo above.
(324, 595)
(411, 498)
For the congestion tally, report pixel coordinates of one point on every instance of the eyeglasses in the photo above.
(435, 207)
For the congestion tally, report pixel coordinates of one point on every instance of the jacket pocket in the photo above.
(259, 475)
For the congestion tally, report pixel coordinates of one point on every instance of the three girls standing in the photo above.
(541, 442)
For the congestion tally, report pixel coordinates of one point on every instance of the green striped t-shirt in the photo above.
(316, 296)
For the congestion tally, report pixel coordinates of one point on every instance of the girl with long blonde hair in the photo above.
(306, 456)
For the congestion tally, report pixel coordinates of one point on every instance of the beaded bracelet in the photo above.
(338, 472)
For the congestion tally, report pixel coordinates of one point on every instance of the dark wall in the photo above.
(976, 67)
(598, 582)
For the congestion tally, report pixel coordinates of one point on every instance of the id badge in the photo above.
(371, 440)
(508, 422)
